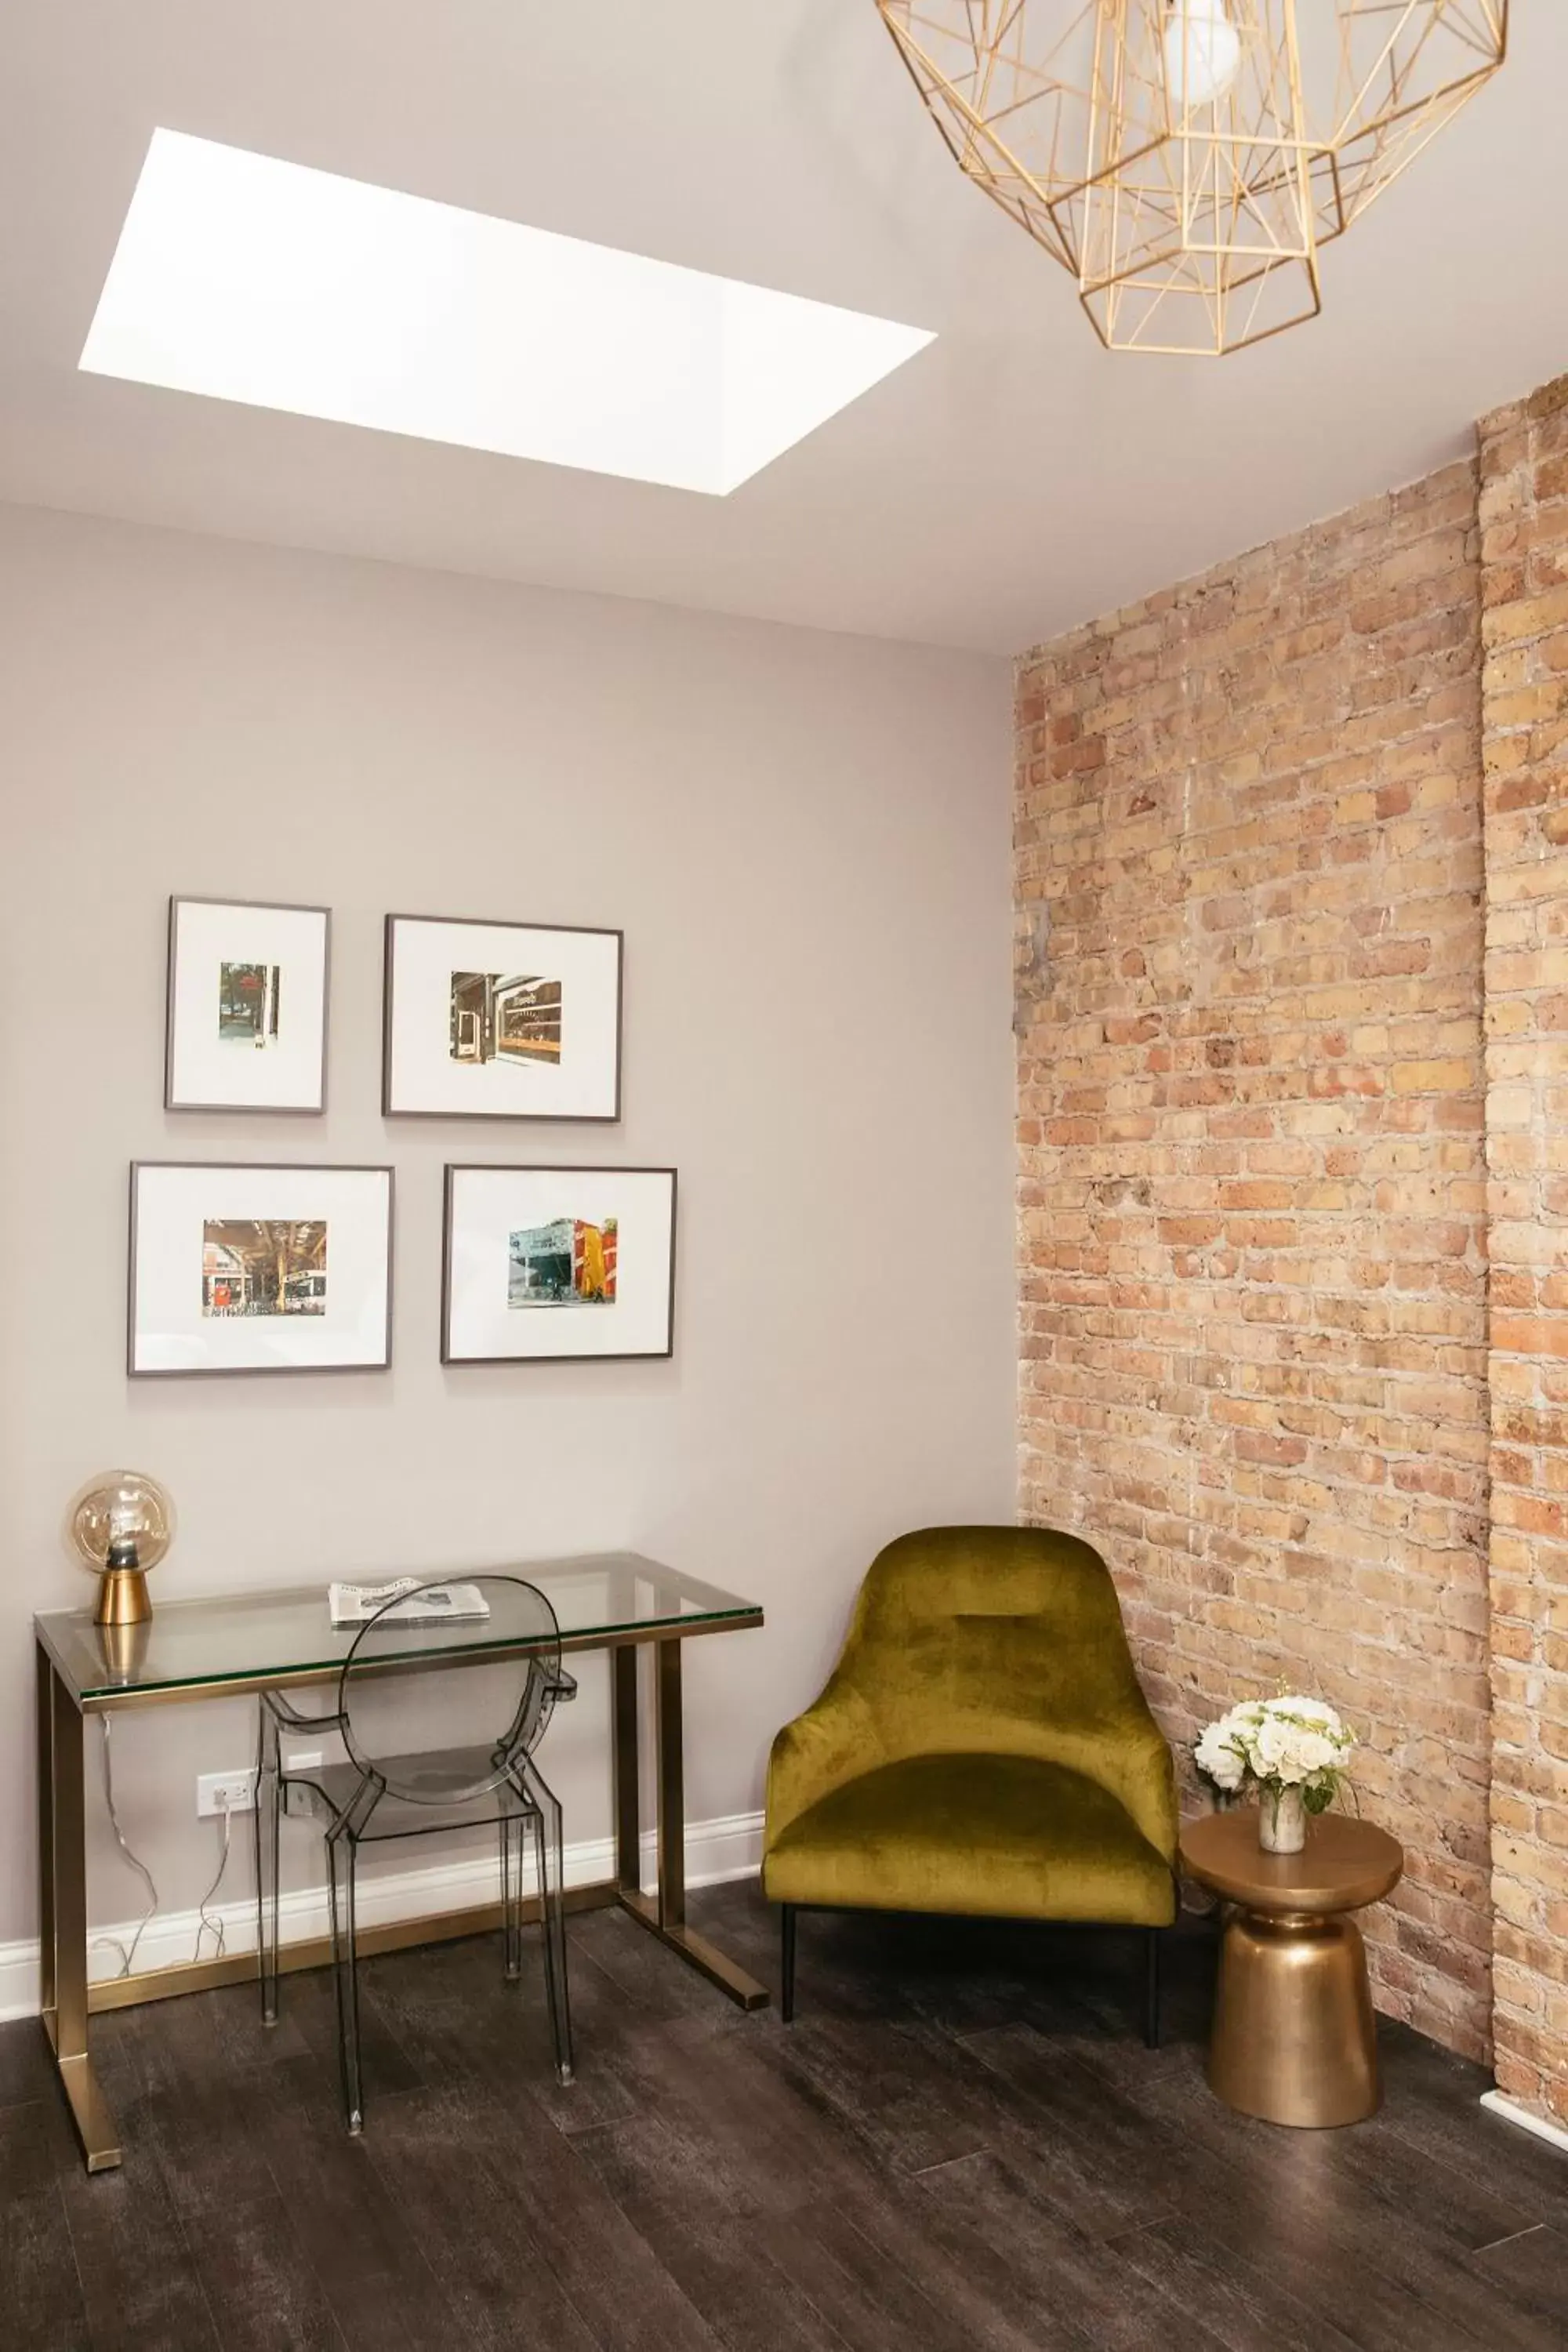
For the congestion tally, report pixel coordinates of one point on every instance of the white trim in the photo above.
(1513, 2113)
(728, 1847)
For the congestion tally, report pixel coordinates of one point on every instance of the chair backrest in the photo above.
(520, 1630)
(994, 1639)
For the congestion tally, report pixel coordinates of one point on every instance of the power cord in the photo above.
(205, 1925)
(112, 1943)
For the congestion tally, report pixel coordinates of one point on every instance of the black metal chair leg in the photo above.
(786, 1961)
(1152, 1938)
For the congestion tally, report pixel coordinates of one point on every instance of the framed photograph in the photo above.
(546, 1265)
(259, 1269)
(500, 1021)
(248, 1006)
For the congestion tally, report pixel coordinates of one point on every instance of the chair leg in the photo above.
(553, 1921)
(264, 1829)
(1152, 1940)
(341, 1880)
(513, 1830)
(787, 1962)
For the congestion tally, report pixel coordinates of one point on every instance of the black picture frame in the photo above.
(390, 1109)
(173, 1102)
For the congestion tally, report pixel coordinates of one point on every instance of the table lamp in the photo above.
(120, 1523)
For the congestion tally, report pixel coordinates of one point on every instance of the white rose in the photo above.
(1216, 1757)
(1277, 1753)
(1318, 1752)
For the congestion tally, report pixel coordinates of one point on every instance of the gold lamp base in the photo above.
(122, 1597)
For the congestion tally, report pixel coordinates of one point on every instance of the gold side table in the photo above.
(1293, 2039)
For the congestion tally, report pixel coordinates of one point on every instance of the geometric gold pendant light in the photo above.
(1187, 160)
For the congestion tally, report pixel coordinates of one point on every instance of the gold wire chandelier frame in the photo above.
(1187, 160)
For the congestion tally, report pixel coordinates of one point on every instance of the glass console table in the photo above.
(246, 1642)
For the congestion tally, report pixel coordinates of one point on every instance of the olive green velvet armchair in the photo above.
(983, 1747)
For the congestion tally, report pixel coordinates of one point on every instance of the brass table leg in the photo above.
(1294, 2040)
(62, 1914)
(628, 1770)
(45, 1789)
(665, 1916)
(670, 1786)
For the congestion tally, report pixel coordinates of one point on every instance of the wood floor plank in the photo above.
(139, 2281)
(351, 2234)
(1239, 2303)
(264, 2291)
(872, 2306)
(1408, 2158)
(189, 2107)
(470, 2218)
(1413, 2287)
(308, 2005)
(1531, 2269)
(604, 2266)
(1432, 2098)
(901, 2229)
(30, 2142)
(41, 2299)
(912, 2096)
(703, 2231)
(1081, 2282)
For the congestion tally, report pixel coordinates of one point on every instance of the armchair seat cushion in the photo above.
(1003, 1836)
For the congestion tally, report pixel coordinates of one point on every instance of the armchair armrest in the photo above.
(562, 1686)
(834, 1741)
(1132, 1758)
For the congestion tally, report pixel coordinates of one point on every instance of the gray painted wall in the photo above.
(806, 838)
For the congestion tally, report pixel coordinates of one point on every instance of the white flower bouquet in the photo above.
(1293, 1751)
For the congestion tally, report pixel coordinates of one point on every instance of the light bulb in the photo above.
(1203, 53)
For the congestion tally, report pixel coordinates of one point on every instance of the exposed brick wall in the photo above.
(1252, 1182)
(1524, 516)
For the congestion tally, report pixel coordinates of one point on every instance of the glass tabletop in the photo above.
(245, 1640)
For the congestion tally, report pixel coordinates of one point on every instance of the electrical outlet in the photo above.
(226, 1792)
(303, 1760)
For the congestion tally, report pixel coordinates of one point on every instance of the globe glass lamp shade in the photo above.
(120, 1525)
(1203, 53)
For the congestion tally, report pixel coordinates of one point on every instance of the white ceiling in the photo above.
(1007, 482)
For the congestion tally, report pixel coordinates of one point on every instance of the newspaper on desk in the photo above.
(356, 1605)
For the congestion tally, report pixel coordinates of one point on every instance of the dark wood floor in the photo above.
(961, 2145)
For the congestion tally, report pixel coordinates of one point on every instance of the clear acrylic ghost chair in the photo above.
(376, 1796)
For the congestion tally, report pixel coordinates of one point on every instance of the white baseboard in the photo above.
(1513, 2113)
(728, 1847)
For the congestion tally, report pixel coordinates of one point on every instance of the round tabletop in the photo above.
(1344, 1864)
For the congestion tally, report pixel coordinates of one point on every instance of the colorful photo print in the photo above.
(248, 1004)
(271, 1267)
(568, 1263)
(497, 1018)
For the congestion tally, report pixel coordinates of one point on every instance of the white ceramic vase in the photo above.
(1281, 1821)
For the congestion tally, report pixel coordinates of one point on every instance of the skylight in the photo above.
(254, 280)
